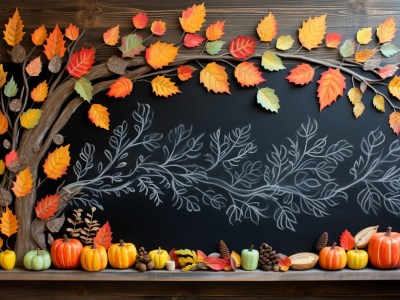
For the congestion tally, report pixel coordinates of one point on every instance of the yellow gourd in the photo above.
(159, 257)
(94, 258)
(122, 255)
(357, 259)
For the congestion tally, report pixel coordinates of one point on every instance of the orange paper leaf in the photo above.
(161, 54)
(331, 85)
(163, 86)
(185, 72)
(394, 122)
(214, 78)
(3, 123)
(215, 31)
(3, 76)
(23, 183)
(47, 207)
(201, 256)
(301, 74)
(247, 74)
(81, 62)
(1, 241)
(242, 46)
(34, 67)
(9, 223)
(99, 116)
(140, 20)
(104, 236)
(57, 162)
(387, 71)
(394, 87)
(158, 28)
(39, 35)
(347, 241)
(120, 88)
(192, 40)
(312, 33)
(386, 30)
(14, 30)
(72, 32)
(215, 263)
(267, 29)
(39, 93)
(55, 44)
(284, 262)
(332, 40)
(364, 55)
(11, 157)
(193, 18)
(111, 36)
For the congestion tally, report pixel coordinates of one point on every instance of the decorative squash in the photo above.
(332, 258)
(159, 257)
(66, 253)
(357, 259)
(122, 255)
(94, 258)
(37, 260)
(249, 259)
(384, 249)
(7, 259)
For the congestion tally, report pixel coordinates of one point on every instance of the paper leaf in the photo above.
(1, 242)
(331, 85)
(104, 236)
(81, 62)
(158, 28)
(72, 32)
(55, 64)
(3, 76)
(312, 32)
(364, 55)
(121, 88)
(23, 183)
(394, 87)
(185, 72)
(140, 20)
(47, 206)
(30, 118)
(215, 31)
(215, 47)
(39, 93)
(301, 74)
(354, 95)
(214, 78)
(192, 40)
(347, 49)
(242, 46)
(14, 30)
(379, 102)
(131, 45)
(267, 28)
(111, 36)
(11, 157)
(358, 109)
(9, 223)
(371, 64)
(34, 67)
(57, 162)
(267, 98)
(117, 65)
(284, 262)
(163, 86)
(55, 44)
(271, 62)
(11, 88)
(161, 54)
(247, 74)
(394, 122)
(284, 42)
(39, 35)
(347, 240)
(84, 89)
(388, 49)
(3, 123)
(386, 30)
(387, 71)
(193, 18)
(332, 40)
(215, 263)
(99, 116)
(18, 54)
(201, 256)
(364, 36)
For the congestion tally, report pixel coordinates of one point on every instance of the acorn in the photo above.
(141, 267)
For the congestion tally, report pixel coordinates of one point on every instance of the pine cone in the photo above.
(223, 249)
(321, 242)
(268, 257)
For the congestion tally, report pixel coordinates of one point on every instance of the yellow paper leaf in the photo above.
(3, 123)
(57, 162)
(9, 223)
(163, 86)
(30, 118)
(364, 36)
(215, 31)
(312, 33)
(39, 35)
(34, 67)
(23, 183)
(358, 109)
(39, 93)
(386, 30)
(267, 29)
(379, 102)
(284, 42)
(394, 87)
(14, 30)
(354, 95)
(193, 18)
(214, 78)
(3, 76)
(99, 115)
(364, 55)
(160, 54)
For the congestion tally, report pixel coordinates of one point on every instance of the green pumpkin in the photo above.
(249, 258)
(37, 260)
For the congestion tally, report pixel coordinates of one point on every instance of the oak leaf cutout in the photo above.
(34, 68)
(39, 93)
(193, 18)
(104, 236)
(121, 88)
(55, 44)
(111, 36)
(386, 30)
(9, 223)
(214, 78)
(99, 116)
(302, 74)
(14, 30)
(39, 35)
(47, 206)
(81, 62)
(312, 32)
(267, 28)
(330, 85)
(72, 32)
(215, 31)
(57, 162)
(247, 74)
(242, 46)
(23, 183)
(161, 54)
(163, 86)
(30, 118)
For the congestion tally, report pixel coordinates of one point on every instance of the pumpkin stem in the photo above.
(333, 246)
(251, 247)
(159, 250)
(356, 250)
(121, 243)
(65, 238)
(94, 246)
(38, 251)
(388, 231)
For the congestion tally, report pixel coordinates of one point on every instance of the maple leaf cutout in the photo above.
(47, 207)
(347, 241)
(81, 62)
(55, 44)
(242, 46)
(99, 116)
(301, 74)
(163, 86)
(267, 29)
(247, 74)
(193, 18)
(9, 223)
(121, 88)
(111, 36)
(214, 78)
(23, 183)
(14, 30)
(57, 162)
(104, 236)
(192, 40)
(161, 54)
(331, 85)
(312, 33)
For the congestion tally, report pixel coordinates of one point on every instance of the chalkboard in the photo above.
(207, 167)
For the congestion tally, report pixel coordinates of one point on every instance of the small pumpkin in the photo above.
(94, 258)
(384, 249)
(66, 253)
(333, 258)
(37, 260)
(122, 255)
(7, 259)
(357, 259)
(249, 259)
(159, 257)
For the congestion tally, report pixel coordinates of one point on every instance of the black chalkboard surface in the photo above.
(204, 167)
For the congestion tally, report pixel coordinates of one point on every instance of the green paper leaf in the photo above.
(347, 49)
(84, 88)
(268, 99)
(213, 48)
(131, 45)
(11, 88)
(271, 62)
(388, 49)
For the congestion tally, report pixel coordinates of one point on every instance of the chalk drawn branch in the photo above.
(295, 178)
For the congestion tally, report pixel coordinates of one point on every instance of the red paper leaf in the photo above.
(174, 257)
(215, 263)
(192, 40)
(140, 20)
(387, 71)
(47, 207)
(347, 241)
(185, 72)
(11, 157)
(121, 88)
(284, 261)
(104, 236)
(301, 74)
(81, 62)
(242, 46)
(333, 40)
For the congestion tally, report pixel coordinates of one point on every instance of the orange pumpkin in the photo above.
(333, 258)
(384, 249)
(122, 255)
(94, 258)
(66, 253)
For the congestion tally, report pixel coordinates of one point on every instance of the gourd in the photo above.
(332, 258)
(159, 257)
(249, 259)
(7, 259)
(66, 253)
(94, 258)
(37, 260)
(122, 255)
(357, 259)
(384, 249)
